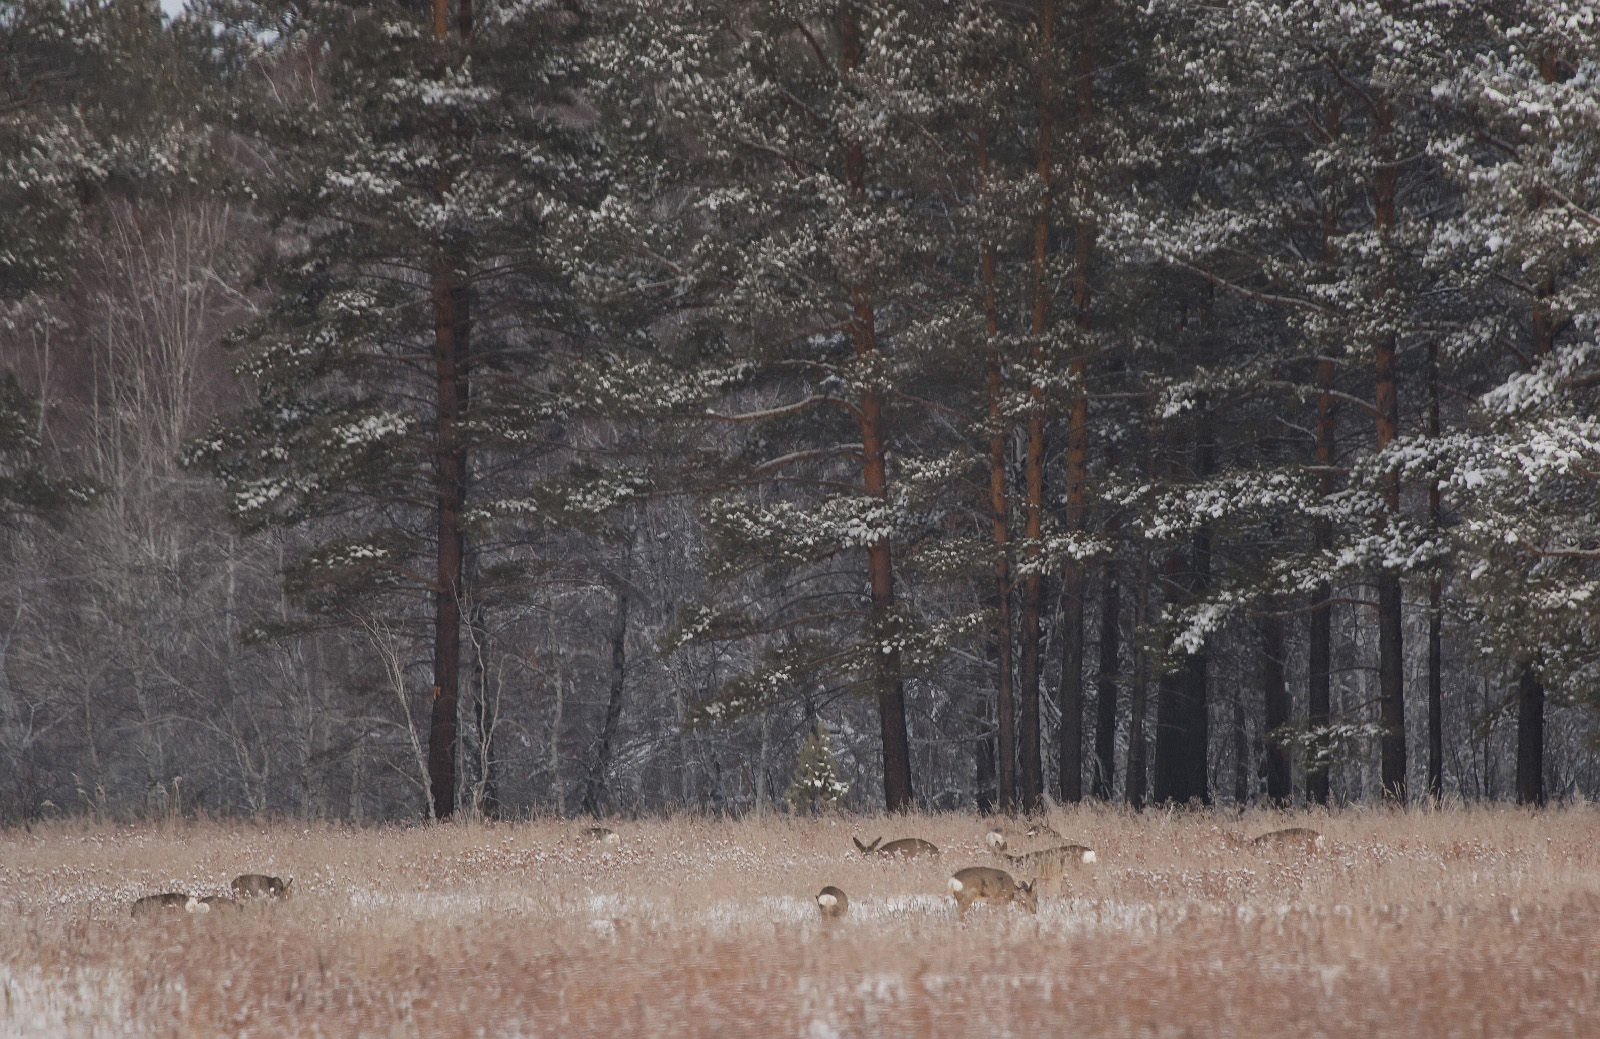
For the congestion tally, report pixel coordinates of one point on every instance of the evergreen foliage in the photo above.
(816, 786)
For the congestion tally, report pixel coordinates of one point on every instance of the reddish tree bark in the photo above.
(452, 340)
(1032, 769)
(897, 792)
(998, 511)
(1073, 576)
(1391, 660)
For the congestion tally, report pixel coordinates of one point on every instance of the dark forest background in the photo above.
(593, 406)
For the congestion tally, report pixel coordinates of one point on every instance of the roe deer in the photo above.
(221, 902)
(994, 886)
(1302, 837)
(169, 900)
(832, 902)
(1051, 864)
(999, 839)
(905, 847)
(608, 839)
(1295, 838)
(259, 885)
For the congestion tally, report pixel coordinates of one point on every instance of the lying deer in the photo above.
(169, 900)
(832, 902)
(999, 839)
(993, 886)
(1295, 838)
(1051, 864)
(905, 847)
(608, 839)
(259, 885)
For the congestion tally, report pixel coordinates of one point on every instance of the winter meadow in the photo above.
(531, 482)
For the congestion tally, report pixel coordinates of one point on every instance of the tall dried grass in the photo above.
(1466, 922)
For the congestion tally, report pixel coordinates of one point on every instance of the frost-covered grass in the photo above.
(1466, 922)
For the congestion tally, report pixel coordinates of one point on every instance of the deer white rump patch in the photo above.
(194, 905)
(955, 885)
(1090, 856)
(827, 900)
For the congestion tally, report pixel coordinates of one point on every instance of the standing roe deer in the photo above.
(832, 902)
(1051, 864)
(259, 885)
(905, 847)
(990, 885)
(1294, 838)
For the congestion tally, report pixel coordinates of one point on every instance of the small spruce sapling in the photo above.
(816, 785)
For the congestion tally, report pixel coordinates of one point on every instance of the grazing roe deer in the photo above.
(221, 902)
(999, 839)
(259, 885)
(905, 847)
(992, 886)
(169, 900)
(832, 902)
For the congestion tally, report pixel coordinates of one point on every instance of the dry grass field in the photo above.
(1461, 923)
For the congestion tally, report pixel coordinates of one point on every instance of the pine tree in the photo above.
(1332, 233)
(425, 173)
(1523, 250)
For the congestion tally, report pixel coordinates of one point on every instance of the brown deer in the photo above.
(608, 839)
(1051, 864)
(832, 902)
(222, 902)
(168, 901)
(999, 839)
(1295, 838)
(993, 886)
(259, 885)
(904, 848)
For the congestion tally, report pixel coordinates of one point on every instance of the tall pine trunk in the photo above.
(897, 793)
(1183, 724)
(1530, 693)
(1073, 576)
(596, 795)
(1435, 649)
(1386, 401)
(999, 432)
(1530, 737)
(1320, 662)
(1105, 722)
(1137, 765)
(452, 336)
(1275, 693)
(1032, 768)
